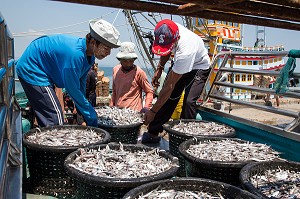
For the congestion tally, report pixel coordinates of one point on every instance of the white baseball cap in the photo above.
(126, 51)
(105, 32)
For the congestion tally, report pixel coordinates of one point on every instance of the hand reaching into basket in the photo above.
(149, 116)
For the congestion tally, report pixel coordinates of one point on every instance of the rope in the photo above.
(286, 72)
(116, 16)
(215, 49)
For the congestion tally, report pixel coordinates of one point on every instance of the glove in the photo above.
(144, 110)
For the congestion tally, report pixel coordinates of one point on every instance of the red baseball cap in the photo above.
(166, 33)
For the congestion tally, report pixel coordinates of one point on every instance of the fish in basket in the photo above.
(111, 170)
(272, 179)
(184, 129)
(188, 188)
(46, 150)
(123, 124)
(222, 159)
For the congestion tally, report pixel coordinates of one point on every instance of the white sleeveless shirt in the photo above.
(190, 52)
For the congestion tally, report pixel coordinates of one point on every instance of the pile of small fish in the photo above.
(278, 183)
(65, 137)
(231, 150)
(174, 194)
(120, 163)
(117, 116)
(202, 128)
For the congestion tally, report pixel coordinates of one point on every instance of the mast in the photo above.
(260, 36)
(137, 32)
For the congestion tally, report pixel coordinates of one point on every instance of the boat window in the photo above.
(243, 78)
(249, 78)
(260, 62)
(235, 24)
(243, 63)
(218, 22)
(211, 21)
(279, 59)
(229, 78)
(243, 91)
(266, 61)
(229, 23)
(271, 61)
(236, 90)
(275, 60)
(238, 62)
(229, 61)
(250, 63)
(255, 62)
(237, 77)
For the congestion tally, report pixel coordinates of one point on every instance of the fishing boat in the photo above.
(222, 36)
(285, 139)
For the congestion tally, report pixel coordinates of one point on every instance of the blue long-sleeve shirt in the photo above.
(59, 60)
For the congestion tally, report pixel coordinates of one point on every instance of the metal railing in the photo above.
(218, 82)
(10, 121)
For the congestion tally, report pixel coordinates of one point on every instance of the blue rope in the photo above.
(286, 72)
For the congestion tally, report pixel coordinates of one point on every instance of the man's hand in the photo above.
(144, 110)
(149, 117)
(159, 69)
(155, 79)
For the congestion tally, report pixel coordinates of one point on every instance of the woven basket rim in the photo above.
(181, 181)
(59, 149)
(121, 182)
(168, 127)
(120, 126)
(245, 173)
(231, 164)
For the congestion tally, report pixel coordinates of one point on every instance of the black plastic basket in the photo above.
(177, 137)
(192, 184)
(46, 163)
(90, 186)
(127, 134)
(224, 171)
(258, 168)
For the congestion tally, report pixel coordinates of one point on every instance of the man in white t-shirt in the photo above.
(189, 73)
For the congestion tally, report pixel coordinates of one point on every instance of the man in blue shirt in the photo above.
(63, 61)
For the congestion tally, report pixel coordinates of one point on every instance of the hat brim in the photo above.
(121, 55)
(162, 50)
(102, 40)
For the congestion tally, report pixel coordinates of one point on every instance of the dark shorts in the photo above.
(45, 104)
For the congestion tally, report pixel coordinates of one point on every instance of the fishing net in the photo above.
(286, 72)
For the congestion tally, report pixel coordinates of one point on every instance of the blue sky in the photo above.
(36, 15)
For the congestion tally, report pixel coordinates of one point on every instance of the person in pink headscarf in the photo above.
(130, 81)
